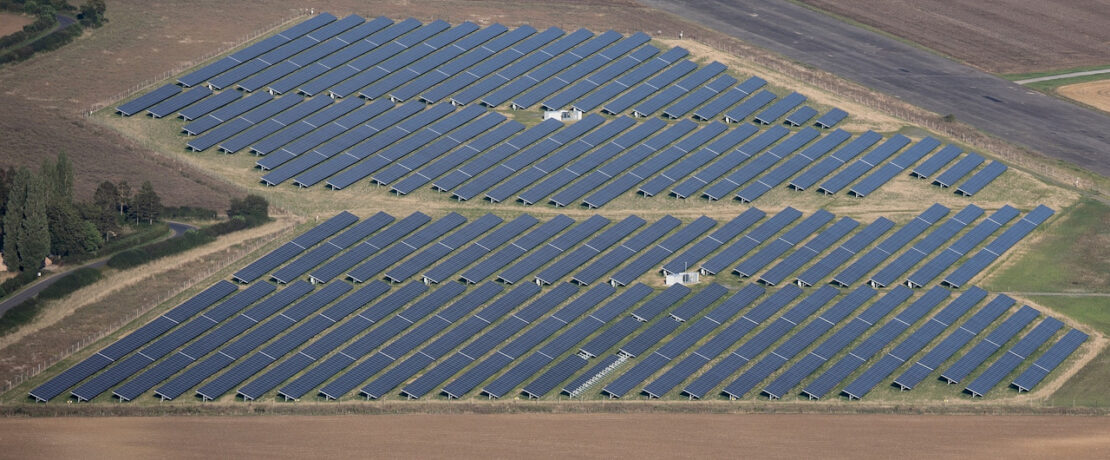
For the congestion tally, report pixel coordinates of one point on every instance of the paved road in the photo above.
(1057, 128)
(1062, 75)
(178, 229)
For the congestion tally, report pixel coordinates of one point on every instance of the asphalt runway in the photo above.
(1009, 111)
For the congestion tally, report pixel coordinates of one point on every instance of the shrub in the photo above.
(70, 282)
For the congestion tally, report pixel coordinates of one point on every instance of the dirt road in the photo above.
(558, 436)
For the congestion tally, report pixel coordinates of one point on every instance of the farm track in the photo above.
(989, 103)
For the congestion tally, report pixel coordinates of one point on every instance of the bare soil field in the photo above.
(11, 23)
(1001, 36)
(559, 436)
(1094, 93)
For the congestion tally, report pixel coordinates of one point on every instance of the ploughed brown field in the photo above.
(11, 23)
(999, 36)
(559, 436)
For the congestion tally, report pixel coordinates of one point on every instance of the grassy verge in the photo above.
(1049, 73)
(1088, 387)
(1050, 86)
(1073, 255)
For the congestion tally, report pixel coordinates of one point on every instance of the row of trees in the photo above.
(40, 217)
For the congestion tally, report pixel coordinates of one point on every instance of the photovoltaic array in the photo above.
(419, 306)
(405, 105)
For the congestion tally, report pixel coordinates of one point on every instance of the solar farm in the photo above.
(503, 213)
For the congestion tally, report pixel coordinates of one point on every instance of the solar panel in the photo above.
(750, 241)
(516, 249)
(938, 160)
(887, 172)
(564, 78)
(558, 159)
(811, 362)
(698, 97)
(408, 342)
(447, 268)
(347, 46)
(334, 246)
(491, 157)
(118, 349)
(475, 91)
(361, 251)
(178, 102)
(445, 247)
(684, 86)
(147, 100)
(739, 329)
(589, 250)
(590, 162)
(760, 163)
(499, 334)
(718, 238)
(860, 167)
(890, 245)
(525, 157)
(787, 350)
(1051, 359)
(338, 134)
(232, 127)
(502, 385)
(409, 245)
(434, 61)
(991, 343)
(467, 153)
(471, 59)
(560, 65)
(525, 342)
(645, 167)
(915, 342)
(291, 249)
(931, 242)
(801, 116)
(434, 150)
(780, 108)
(493, 64)
(749, 106)
(965, 244)
(625, 251)
(844, 252)
(651, 86)
(552, 250)
(265, 128)
(793, 237)
(953, 342)
(398, 61)
(806, 253)
(370, 51)
(726, 163)
(980, 179)
(873, 344)
(692, 162)
(1010, 361)
(957, 171)
(655, 256)
(726, 99)
(304, 126)
(831, 118)
(830, 164)
(227, 112)
(632, 78)
(791, 166)
(977, 263)
(568, 95)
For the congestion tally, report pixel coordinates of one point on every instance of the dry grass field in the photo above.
(1095, 93)
(559, 436)
(1002, 36)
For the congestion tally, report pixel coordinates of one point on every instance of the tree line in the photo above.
(40, 217)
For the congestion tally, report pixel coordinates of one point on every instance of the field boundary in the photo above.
(145, 84)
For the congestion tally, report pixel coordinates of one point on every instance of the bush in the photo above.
(71, 282)
(13, 284)
(19, 315)
(191, 239)
(188, 212)
(146, 234)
